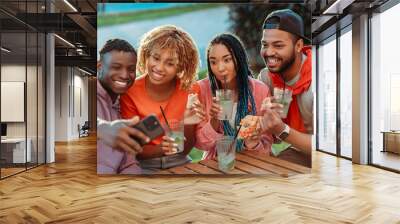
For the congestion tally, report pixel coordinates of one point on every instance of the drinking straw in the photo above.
(225, 82)
(165, 118)
(284, 93)
(234, 139)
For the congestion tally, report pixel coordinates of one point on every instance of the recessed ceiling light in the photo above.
(86, 72)
(338, 6)
(70, 5)
(64, 40)
(5, 49)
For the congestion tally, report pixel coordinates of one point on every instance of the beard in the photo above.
(285, 64)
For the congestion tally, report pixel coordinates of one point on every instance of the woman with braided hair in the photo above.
(228, 68)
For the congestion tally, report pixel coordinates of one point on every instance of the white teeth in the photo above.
(157, 75)
(272, 61)
(120, 83)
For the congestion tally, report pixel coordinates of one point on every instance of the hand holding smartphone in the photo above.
(151, 127)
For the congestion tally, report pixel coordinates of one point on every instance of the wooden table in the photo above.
(248, 162)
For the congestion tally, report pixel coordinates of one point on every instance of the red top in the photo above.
(136, 101)
(293, 118)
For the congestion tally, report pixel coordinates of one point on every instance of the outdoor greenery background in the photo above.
(244, 20)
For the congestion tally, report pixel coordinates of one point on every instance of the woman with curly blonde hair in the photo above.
(168, 60)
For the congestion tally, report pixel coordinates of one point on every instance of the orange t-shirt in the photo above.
(136, 102)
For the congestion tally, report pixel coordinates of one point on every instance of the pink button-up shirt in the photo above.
(206, 136)
(109, 160)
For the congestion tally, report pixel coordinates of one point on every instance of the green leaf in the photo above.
(277, 149)
(196, 155)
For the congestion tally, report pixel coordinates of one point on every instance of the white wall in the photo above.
(13, 73)
(33, 127)
(61, 103)
(80, 110)
(16, 73)
(70, 84)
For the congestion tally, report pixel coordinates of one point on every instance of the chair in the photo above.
(84, 130)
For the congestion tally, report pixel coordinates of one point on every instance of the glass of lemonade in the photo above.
(284, 97)
(225, 99)
(226, 157)
(177, 133)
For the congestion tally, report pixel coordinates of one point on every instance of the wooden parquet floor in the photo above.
(69, 191)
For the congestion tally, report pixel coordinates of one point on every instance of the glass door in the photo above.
(385, 89)
(346, 92)
(13, 103)
(326, 87)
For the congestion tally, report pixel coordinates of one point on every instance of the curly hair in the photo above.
(176, 39)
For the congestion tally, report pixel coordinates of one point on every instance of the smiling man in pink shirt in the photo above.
(116, 144)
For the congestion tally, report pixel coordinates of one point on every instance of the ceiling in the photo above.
(330, 15)
(74, 22)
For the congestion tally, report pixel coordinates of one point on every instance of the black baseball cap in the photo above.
(286, 20)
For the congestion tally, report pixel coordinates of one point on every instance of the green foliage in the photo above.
(116, 19)
(202, 74)
(247, 20)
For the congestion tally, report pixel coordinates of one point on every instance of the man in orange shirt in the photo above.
(288, 67)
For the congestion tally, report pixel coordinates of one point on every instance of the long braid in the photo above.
(243, 75)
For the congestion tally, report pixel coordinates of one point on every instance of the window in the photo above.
(326, 136)
(385, 87)
(346, 93)
(22, 68)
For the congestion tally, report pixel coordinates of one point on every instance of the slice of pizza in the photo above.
(250, 126)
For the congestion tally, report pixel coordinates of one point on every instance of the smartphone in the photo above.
(151, 127)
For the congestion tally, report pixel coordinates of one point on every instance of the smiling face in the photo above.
(118, 71)
(162, 66)
(222, 63)
(278, 49)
